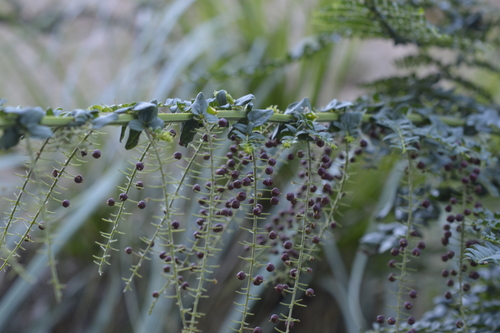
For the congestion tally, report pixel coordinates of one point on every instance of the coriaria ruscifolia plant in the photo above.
(220, 193)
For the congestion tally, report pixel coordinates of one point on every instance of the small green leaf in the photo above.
(133, 139)
(302, 107)
(221, 97)
(200, 105)
(136, 125)
(148, 112)
(188, 131)
(244, 100)
(259, 117)
(104, 120)
(39, 132)
(122, 132)
(10, 138)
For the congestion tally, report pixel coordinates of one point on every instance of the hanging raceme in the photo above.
(274, 188)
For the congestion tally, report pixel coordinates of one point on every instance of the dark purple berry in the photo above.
(269, 170)
(177, 155)
(426, 203)
(65, 203)
(274, 200)
(139, 185)
(78, 179)
(273, 235)
(257, 330)
(111, 202)
(128, 250)
(315, 239)
(274, 318)
(391, 321)
(380, 319)
(223, 122)
(310, 292)
(123, 196)
(258, 280)
(413, 294)
(156, 294)
(96, 153)
(241, 275)
(408, 305)
(448, 295)
(139, 166)
(141, 204)
(268, 182)
(270, 267)
(411, 320)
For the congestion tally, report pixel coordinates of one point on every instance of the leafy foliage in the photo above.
(253, 203)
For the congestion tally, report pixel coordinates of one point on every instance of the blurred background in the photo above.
(73, 54)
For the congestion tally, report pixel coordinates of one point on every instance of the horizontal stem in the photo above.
(123, 119)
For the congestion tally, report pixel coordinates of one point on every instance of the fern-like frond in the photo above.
(484, 254)
(380, 19)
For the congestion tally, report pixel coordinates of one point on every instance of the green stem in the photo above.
(208, 224)
(460, 260)
(301, 247)
(17, 203)
(48, 226)
(171, 244)
(252, 259)
(43, 203)
(123, 119)
(406, 260)
(100, 261)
